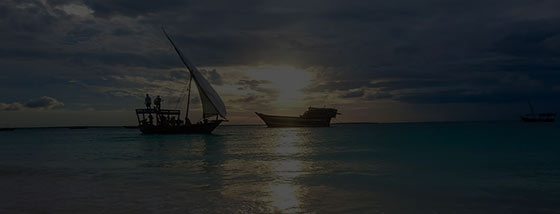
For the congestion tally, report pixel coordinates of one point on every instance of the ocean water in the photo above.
(483, 167)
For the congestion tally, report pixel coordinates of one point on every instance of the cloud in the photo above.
(254, 96)
(108, 8)
(353, 93)
(255, 85)
(80, 34)
(213, 77)
(250, 98)
(11, 106)
(378, 95)
(250, 102)
(403, 50)
(43, 103)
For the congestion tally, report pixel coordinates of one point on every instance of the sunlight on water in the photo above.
(287, 142)
(284, 193)
(497, 167)
(284, 197)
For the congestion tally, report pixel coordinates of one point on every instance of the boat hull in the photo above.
(285, 121)
(538, 120)
(200, 128)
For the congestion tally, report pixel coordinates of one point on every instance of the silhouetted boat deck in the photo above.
(536, 118)
(167, 121)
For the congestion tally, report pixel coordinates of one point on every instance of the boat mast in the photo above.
(212, 104)
(531, 107)
(188, 99)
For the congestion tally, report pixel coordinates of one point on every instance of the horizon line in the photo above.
(254, 124)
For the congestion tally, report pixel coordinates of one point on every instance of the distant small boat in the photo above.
(313, 117)
(130, 127)
(542, 117)
(535, 118)
(7, 129)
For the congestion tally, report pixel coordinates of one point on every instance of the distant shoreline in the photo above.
(343, 123)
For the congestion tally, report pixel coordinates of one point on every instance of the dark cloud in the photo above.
(179, 74)
(81, 33)
(471, 96)
(378, 96)
(330, 85)
(43, 103)
(252, 84)
(11, 106)
(359, 92)
(410, 51)
(251, 102)
(123, 31)
(250, 98)
(92, 58)
(107, 8)
(255, 85)
(254, 101)
(27, 17)
(213, 77)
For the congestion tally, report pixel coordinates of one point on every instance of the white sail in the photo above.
(212, 104)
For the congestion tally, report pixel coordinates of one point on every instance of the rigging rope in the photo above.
(182, 95)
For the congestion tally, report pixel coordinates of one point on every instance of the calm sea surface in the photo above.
(502, 167)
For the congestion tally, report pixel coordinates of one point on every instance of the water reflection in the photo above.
(284, 193)
(213, 154)
(259, 175)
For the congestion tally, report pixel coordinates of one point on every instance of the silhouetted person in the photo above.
(164, 121)
(148, 101)
(157, 103)
(173, 122)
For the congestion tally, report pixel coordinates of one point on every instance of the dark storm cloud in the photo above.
(410, 51)
(106, 8)
(149, 60)
(80, 34)
(466, 96)
(532, 39)
(26, 17)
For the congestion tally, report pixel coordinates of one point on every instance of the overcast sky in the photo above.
(90, 62)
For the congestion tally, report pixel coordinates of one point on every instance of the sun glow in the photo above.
(286, 80)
